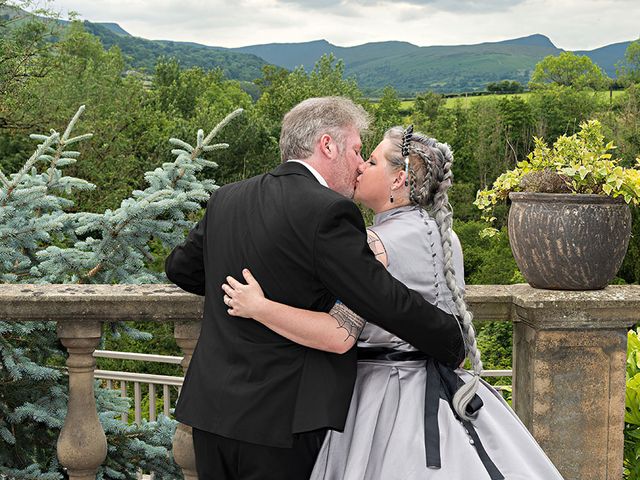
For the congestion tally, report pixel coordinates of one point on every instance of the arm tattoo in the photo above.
(377, 247)
(348, 320)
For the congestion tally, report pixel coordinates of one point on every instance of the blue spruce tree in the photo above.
(42, 242)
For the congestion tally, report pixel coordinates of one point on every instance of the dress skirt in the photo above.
(384, 437)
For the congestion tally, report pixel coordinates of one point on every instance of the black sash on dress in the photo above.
(442, 382)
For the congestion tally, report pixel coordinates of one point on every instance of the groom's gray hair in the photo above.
(305, 123)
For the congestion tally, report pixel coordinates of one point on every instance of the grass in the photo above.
(467, 101)
(407, 105)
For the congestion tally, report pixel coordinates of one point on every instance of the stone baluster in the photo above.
(82, 445)
(186, 334)
(569, 381)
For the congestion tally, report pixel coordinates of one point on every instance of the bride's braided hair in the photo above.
(430, 177)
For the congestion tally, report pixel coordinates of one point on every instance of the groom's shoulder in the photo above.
(318, 198)
(293, 188)
(299, 185)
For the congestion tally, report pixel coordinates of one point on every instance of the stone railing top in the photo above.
(157, 302)
(614, 306)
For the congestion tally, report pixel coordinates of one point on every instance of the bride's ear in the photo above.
(399, 178)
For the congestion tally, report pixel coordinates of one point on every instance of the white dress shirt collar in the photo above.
(315, 173)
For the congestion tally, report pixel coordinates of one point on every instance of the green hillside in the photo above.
(607, 57)
(411, 69)
(291, 55)
(144, 53)
(450, 69)
(115, 28)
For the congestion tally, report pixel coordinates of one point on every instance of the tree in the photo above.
(519, 125)
(282, 90)
(632, 57)
(84, 73)
(26, 52)
(568, 70)
(426, 108)
(629, 72)
(456, 127)
(193, 96)
(42, 242)
(133, 117)
(505, 86)
(387, 112)
(559, 110)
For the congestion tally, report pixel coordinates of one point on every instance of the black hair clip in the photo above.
(406, 138)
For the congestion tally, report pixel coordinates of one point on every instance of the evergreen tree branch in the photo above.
(72, 124)
(27, 166)
(225, 121)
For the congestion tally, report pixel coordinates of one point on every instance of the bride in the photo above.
(411, 417)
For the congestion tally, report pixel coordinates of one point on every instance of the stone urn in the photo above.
(568, 241)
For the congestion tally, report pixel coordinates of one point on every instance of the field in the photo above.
(407, 105)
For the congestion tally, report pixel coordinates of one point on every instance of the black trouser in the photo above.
(220, 458)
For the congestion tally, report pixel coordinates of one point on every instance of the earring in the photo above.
(390, 196)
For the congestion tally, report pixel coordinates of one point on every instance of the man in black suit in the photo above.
(258, 403)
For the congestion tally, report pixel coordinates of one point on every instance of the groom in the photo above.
(259, 404)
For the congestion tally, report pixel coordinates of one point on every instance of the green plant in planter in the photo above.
(580, 163)
(632, 411)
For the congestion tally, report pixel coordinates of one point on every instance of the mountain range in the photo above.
(408, 68)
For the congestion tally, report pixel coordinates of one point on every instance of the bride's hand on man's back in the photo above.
(244, 300)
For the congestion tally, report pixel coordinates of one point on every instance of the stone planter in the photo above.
(568, 241)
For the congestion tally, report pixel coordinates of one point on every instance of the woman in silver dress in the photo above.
(410, 416)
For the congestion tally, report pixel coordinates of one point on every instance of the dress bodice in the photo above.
(415, 257)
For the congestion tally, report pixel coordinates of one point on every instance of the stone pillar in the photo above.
(186, 334)
(569, 382)
(82, 445)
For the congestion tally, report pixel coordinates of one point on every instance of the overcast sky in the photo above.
(570, 24)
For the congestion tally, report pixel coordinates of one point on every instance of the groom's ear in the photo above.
(328, 146)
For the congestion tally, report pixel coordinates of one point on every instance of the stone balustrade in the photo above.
(569, 358)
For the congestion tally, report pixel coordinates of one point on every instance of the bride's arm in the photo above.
(336, 331)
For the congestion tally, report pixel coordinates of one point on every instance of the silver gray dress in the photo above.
(384, 436)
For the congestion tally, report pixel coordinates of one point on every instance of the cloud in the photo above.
(215, 22)
(571, 24)
(463, 6)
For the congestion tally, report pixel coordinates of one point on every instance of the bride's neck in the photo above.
(389, 206)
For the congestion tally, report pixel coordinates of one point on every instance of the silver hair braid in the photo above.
(434, 161)
(444, 219)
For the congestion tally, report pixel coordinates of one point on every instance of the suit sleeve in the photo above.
(185, 264)
(348, 268)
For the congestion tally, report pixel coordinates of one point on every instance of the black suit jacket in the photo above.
(307, 247)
